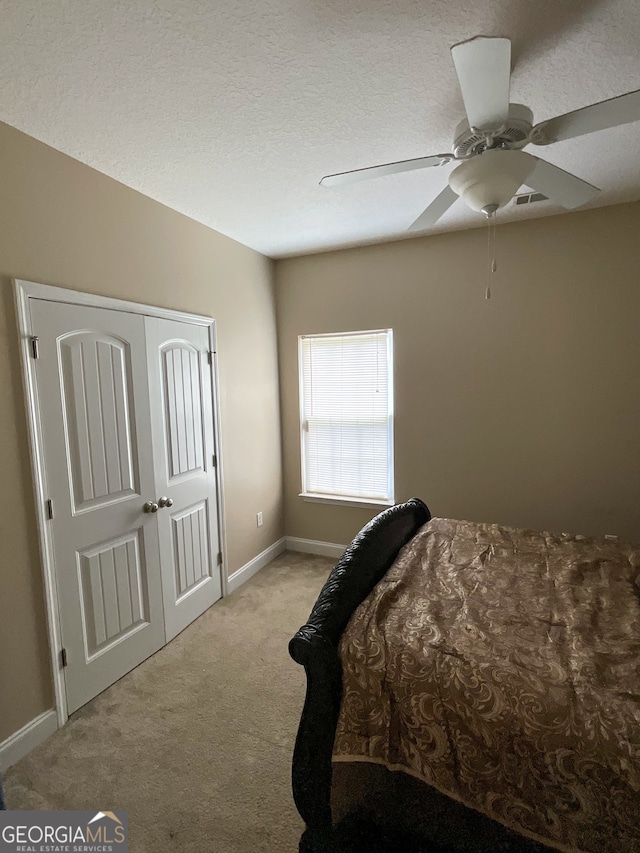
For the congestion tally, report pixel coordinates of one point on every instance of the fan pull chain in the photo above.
(487, 293)
(491, 252)
(494, 266)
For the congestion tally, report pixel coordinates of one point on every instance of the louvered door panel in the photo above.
(191, 548)
(98, 429)
(183, 408)
(114, 584)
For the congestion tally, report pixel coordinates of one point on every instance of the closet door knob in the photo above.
(163, 501)
(150, 506)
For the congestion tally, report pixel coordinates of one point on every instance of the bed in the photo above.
(497, 666)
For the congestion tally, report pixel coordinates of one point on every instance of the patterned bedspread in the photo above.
(502, 666)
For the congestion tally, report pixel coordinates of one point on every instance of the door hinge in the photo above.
(219, 558)
(215, 460)
(210, 356)
(63, 657)
(49, 509)
(35, 346)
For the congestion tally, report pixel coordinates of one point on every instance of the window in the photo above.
(346, 410)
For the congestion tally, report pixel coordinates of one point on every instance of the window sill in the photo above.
(344, 501)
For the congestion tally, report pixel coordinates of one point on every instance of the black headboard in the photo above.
(315, 646)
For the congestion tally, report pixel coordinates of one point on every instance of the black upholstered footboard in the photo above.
(315, 646)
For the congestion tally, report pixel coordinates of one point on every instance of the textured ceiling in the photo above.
(232, 111)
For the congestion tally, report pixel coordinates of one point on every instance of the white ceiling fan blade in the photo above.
(483, 66)
(436, 209)
(559, 186)
(621, 110)
(344, 178)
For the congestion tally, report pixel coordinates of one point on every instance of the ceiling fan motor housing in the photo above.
(468, 141)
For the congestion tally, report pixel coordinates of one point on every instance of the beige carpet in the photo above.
(196, 742)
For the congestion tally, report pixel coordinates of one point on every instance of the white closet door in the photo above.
(94, 403)
(180, 380)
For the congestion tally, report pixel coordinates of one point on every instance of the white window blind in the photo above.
(346, 401)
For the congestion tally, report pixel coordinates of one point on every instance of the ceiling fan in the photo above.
(489, 142)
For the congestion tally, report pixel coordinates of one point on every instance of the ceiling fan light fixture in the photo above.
(490, 180)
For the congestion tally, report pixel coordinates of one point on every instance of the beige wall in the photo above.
(524, 409)
(65, 224)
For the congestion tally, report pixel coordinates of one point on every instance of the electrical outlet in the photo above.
(259, 519)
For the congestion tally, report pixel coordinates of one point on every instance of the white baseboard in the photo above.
(20, 743)
(313, 546)
(249, 569)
